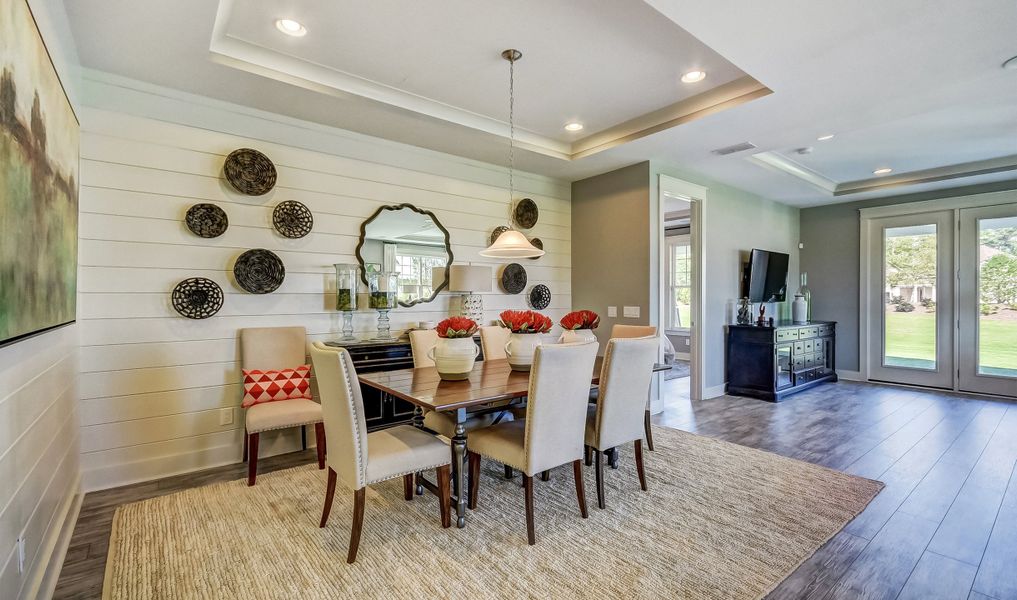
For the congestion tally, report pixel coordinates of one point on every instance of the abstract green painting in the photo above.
(38, 183)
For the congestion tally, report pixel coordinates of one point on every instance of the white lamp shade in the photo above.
(470, 278)
(512, 244)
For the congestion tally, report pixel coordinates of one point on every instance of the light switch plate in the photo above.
(226, 416)
(631, 312)
(612, 311)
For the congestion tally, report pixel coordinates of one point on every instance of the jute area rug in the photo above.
(719, 521)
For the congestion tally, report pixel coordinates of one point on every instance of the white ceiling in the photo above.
(902, 84)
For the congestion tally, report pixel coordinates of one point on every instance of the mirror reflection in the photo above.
(410, 243)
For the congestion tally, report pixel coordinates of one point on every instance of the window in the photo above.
(414, 265)
(679, 283)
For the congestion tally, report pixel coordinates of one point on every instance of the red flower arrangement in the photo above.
(580, 319)
(525, 321)
(456, 327)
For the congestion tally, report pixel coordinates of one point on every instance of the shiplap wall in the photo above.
(152, 382)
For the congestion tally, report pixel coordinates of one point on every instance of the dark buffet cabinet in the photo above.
(773, 362)
(380, 409)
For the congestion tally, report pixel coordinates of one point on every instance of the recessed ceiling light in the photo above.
(823, 138)
(882, 171)
(694, 76)
(573, 126)
(291, 27)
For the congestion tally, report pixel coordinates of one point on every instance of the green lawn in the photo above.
(911, 336)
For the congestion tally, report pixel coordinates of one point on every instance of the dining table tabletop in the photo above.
(490, 381)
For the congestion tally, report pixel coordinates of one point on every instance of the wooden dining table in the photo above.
(490, 381)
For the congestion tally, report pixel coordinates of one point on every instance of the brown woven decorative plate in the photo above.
(259, 271)
(292, 219)
(513, 278)
(540, 297)
(526, 213)
(537, 243)
(197, 298)
(249, 172)
(206, 220)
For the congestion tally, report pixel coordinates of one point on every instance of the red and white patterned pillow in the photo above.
(271, 386)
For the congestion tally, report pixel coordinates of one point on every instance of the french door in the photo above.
(911, 294)
(987, 323)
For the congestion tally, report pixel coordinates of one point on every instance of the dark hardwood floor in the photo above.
(944, 527)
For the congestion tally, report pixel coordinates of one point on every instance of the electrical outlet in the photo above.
(612, 311)
(21, 555)
(226, 416)
(632, 312)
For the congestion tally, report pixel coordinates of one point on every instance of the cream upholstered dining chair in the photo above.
(615, 420)
(636, 331)
(362, 458)
(551, 435)
(493, 339)
(421, 342)
(274, 349)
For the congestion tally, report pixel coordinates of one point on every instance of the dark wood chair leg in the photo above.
(358, 522)
(577, 472)
(649, 432)
(329, 495)
(319, 435)
(474, 478)
(612, 457)
(508, 472)
(599, 462)
(588, 455)
(303, 437)
(445, 495)
(639, 464)
(531, 537)
(408, 486)
(545, 476)
(252, 458)
(245, 444)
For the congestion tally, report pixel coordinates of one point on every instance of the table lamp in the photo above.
(470, 280)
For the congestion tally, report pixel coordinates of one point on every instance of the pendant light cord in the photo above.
(512, 129)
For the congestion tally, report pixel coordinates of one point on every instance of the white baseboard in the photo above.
(850, 375)
(715, 391)
(43, 584)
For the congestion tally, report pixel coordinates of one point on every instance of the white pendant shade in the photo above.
(512, 244)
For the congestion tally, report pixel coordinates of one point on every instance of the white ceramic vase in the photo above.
(454, 357)
(800, 309)
(520, 349)
(578, 336)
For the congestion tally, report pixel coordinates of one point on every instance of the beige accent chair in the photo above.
(274, 348)
(638, 331)
(552, 433)
(362, 458)
(493, 339)
(421, 342)
(615, 420)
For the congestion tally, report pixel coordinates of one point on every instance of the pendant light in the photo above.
(512, 243)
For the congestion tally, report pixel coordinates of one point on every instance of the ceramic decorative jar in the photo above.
(800, 309)
(526, 327)
(455, 352)
(578, 327)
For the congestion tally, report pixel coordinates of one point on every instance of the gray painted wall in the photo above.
(611, 245)
(831, 254)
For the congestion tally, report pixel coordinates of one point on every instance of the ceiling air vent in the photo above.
(732, 149)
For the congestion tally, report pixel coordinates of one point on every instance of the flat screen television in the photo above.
(766, 276)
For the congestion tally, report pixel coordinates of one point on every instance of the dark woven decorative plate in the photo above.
(526, 213)
(537, 243)
(292, 219)
(197, 298)
(249, 172)
(259, 271)
(513, 278)
(207, 220)
(497, 233)
(540, 297)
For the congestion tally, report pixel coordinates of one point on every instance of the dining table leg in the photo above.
(458, 475)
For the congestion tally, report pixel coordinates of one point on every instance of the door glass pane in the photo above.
(997, 296)
(909, 295)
